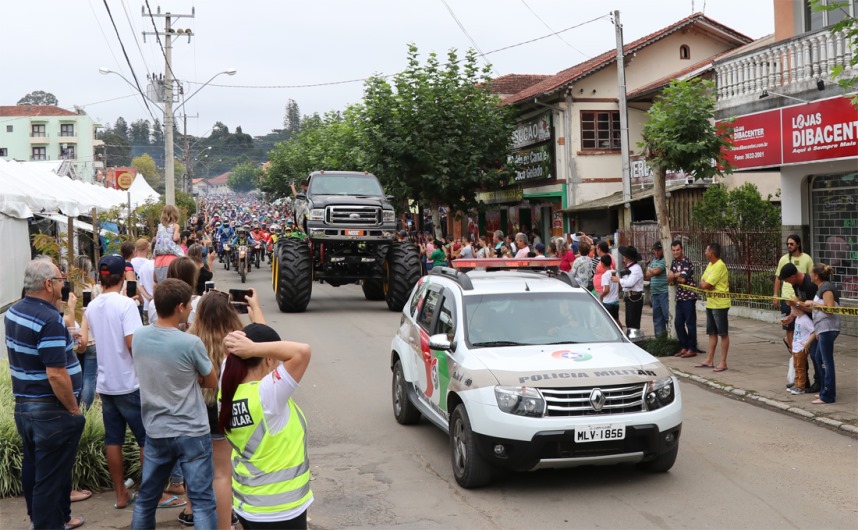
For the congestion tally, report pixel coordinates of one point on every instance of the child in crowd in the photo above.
(609, 291)
(802, 340)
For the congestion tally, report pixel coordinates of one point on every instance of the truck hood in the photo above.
(320, 201)
(572, 365)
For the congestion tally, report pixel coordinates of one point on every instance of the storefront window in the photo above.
(834, 235)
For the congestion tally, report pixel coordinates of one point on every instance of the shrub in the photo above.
(662, 346)
(90, 467)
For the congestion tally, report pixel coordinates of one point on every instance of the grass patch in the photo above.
(662, 346)
(90, 467)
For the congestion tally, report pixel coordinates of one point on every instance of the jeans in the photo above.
(660, 312)
(194, 454)
(50, 435)
(685, 324)
(817, 364)
(89, 369)
(825, 353)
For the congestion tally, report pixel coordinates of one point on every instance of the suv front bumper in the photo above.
(554, 449)
(351, 234)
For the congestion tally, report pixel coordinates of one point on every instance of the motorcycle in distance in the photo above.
(258, 252)
(242, 262)
(227, 255)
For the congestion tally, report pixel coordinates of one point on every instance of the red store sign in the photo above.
(822, 130)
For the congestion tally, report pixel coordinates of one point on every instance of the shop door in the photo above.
(545, 229)
(524, 219)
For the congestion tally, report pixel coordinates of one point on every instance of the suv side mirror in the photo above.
(389, 198)
(440, 342)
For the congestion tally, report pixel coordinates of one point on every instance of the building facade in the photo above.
(49, 133)
(791, 117)
(567, 147)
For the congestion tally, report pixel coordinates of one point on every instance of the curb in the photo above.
(846, 429)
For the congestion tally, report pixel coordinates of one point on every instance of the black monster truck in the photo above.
(351, 229)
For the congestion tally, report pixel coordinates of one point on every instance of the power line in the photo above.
(134, 36)
(127, 60)
(465, 31)
(544, 23)
(108, 100)
(385, 76)
(158, 39)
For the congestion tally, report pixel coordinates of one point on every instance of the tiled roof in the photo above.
(586, 68)
(34, 110)
(515, 83)
(219, 180)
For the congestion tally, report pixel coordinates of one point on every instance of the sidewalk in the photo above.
(757, 363)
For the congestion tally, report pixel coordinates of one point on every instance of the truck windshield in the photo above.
(528, 318)
(345, 185)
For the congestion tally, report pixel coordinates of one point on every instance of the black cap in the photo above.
(657, 246)
(261, 333)
(787, 271)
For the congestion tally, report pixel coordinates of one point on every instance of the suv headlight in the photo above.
(388, 216)
(659, 393)
(520, 400)
(317, 214)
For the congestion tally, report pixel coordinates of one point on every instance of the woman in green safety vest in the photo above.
(267, 430)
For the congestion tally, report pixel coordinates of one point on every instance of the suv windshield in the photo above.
(514, 319)
(345, 185)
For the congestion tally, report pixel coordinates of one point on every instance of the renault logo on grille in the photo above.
(597, 399)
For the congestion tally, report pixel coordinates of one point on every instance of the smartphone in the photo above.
(87, 298)
(64, 292)
(209, 286)
(240, 307)
(131, 288)
(240, 295)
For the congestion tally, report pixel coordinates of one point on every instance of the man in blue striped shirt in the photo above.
(46, 382)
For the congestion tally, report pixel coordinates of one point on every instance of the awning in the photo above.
(78, 225)
(616, 199)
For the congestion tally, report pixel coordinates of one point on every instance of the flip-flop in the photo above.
(703, 365)
(84, 495)
(131, 500)
(168, 503)
(688, 355)
(70, 526)
(720, 369)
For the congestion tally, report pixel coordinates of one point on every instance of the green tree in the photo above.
(325, 142)
(436, 133)
(292, 119)
(117, 149)
(145, 165)
(120, 127)
(139, 133)
(38, 97)
(680, 135)
(244, 177)
(849, 25)
(742, 209)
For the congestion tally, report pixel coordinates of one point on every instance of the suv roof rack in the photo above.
(456, 275)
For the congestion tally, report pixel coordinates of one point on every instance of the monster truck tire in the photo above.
(374, 289)
(402, 270)
(294, 276)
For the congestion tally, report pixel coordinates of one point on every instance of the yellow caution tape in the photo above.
(833, 310)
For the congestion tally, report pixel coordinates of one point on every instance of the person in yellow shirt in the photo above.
(716, 279)
(804, 264)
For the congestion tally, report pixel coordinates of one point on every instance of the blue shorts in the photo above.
(118, 412)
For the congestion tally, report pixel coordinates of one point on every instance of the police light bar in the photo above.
(506, 263)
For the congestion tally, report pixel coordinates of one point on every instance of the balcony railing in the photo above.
(790, 66)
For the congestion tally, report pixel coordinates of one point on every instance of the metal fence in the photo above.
(751, 257)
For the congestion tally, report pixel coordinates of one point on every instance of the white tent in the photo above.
(141, 192)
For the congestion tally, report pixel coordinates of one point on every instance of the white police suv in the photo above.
(526, 371)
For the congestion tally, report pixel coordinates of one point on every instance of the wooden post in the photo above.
(96, 237)
(70, 236)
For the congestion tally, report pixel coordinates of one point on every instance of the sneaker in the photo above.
(795, 391)
(186, 519)
(815, 387)
(790, 385)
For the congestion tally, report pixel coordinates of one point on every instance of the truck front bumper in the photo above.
(350, 234)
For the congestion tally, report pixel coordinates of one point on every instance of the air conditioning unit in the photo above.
(689, 180)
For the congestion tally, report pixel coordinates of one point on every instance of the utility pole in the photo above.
(188, 184)
(169, 32)
(624, 124)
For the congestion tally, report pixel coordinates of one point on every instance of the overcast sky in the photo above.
(59, 45)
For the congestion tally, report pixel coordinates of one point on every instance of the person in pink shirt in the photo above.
(602, 249)
(521, 245)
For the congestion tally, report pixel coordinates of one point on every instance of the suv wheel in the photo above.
(469, 467)
(402, 270)
(294, 276)
(403, 409)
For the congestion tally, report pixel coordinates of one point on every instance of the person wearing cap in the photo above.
(803, 290)
(715, 279)
(266, 428)
(631, 280)
(539, 248)
(113, 319)
(402, 236)
(655, 273)
(46, 382)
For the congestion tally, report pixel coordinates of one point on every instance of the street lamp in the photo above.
(169, 166)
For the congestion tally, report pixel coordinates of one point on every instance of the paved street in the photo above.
(739, 465)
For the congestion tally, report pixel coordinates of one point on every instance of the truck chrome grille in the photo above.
(618, 399)
(353, 215)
